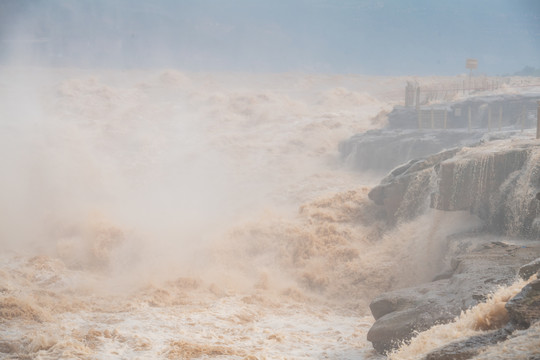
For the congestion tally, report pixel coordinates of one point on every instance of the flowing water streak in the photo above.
(524, 204)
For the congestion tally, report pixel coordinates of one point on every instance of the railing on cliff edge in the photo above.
(427, 101)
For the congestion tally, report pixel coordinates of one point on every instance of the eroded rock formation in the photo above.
(499, 182)
(476, 272)
(524, 312)
(385, 149)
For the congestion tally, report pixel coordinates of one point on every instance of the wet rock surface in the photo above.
(523, 310)
(470, 347)
(475, 274)
(385, 149)
(404, 193)
(498, 185)
(528, 270)
(498, 182)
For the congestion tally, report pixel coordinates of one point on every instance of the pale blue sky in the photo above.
(384, 37)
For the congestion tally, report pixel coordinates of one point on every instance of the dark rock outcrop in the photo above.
(475, 274)
(466, 349)
(399, 314)
(528, 270)
(405, 192)
(523, 310)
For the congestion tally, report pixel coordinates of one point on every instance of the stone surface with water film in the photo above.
(404, 192)
(466, 349)
(528, 270)
(523, 312)
(395, 147)
(475, 274)
(524, 308)
(496, 181)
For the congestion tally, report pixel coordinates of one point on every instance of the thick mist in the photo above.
(140, 172)
(232, 179)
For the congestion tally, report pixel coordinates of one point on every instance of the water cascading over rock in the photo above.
(498, 186)
(498, 182)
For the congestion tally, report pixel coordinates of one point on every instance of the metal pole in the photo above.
(538, 121)
(469, 127)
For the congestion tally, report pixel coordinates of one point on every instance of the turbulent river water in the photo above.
(161, 214)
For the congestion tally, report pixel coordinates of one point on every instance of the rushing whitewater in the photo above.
(160, 214)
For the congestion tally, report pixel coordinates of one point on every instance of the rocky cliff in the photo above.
(497, 181)
(385, 149)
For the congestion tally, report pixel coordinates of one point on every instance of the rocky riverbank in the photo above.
(497, 181)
